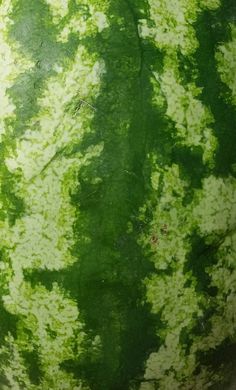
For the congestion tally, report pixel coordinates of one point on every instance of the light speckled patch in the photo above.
(192, 119)
(173, 33)
(169, 246)
(213, 213)
(92, 22)
(46, 167)
(59, 8)
(11, 64)
(47, 175)
(216, 210)
(16, 372)
(226, 59)
(172, 23)
(55, 127)
(170, 224)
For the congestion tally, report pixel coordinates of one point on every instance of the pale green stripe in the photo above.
(226, 60)
(170, 246)
(173, 32)
(167, 240)
(46, 170)
(173, 23)
(213, 213)
(192, 119)
(11, 64)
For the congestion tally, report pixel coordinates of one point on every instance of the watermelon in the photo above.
(117, 194)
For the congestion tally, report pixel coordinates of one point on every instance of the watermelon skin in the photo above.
(117, 201)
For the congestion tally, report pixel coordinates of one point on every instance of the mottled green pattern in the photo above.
(118, 194)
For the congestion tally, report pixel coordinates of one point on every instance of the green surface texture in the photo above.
(117, 194)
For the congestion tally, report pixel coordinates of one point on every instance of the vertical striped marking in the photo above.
(11, 63)
(192, 119)
(168, 295)
(173, 33)
(226, 60)
(180, 306)
(215, 214)
(46, 167)
(15, 373)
